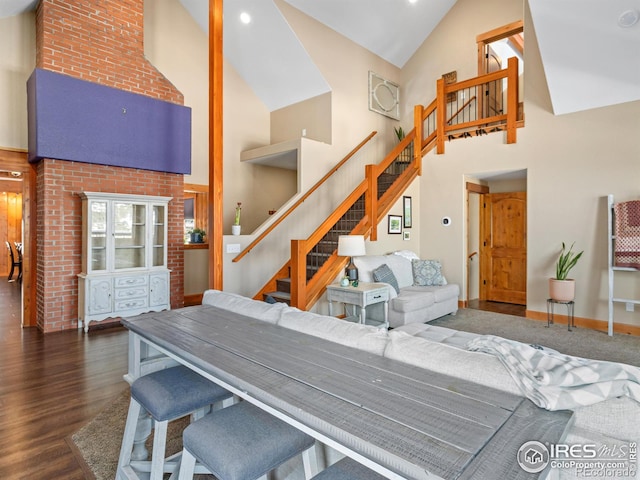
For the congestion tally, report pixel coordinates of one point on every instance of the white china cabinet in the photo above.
(124, 256)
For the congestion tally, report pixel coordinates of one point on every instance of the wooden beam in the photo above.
(216, 60)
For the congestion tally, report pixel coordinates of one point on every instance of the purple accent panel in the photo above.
(72, 119)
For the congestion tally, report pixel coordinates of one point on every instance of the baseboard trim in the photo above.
(593, 324)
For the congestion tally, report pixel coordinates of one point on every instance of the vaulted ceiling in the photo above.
(591, 54)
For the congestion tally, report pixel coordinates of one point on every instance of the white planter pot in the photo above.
(562, 290)
(235, 229)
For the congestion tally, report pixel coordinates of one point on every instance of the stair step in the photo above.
(283, 285)
(282, 297)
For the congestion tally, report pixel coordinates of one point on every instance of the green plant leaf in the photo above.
(566, 261)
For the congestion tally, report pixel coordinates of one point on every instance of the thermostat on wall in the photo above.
(446, 221)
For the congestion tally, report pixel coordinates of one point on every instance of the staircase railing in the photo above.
(314, 262)
(491, 114)
(301, 200)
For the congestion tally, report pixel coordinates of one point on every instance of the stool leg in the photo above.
(187, 466)
(310, 462)
(159, 450)
(143, 431)
(128, 437)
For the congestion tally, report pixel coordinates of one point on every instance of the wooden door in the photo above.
(503, 248)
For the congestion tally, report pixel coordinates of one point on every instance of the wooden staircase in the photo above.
(314, 262)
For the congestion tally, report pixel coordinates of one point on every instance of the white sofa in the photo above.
(612, 423)
(412, 303)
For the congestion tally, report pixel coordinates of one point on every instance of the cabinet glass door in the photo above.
(98, 236)
(129, 233)
(157, 241)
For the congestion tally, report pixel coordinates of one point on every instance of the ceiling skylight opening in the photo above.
(245, 18)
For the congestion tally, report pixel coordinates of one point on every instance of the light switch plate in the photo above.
(233, 248)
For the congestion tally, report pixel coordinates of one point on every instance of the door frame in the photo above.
(473, 189)
(483, 40)
(17, 161)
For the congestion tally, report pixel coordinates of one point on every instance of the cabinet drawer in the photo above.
(345, 295)
(130, 304)
(131, 281)
(124, 293)
(381, 295)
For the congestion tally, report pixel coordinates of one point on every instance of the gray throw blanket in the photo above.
(555, 381)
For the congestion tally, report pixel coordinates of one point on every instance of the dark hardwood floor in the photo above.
(498, 307)
(50, 386)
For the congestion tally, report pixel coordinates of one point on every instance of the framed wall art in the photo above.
(395, 223)
(384, 96)
(406, 210)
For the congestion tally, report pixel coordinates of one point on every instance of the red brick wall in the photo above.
(100, 41)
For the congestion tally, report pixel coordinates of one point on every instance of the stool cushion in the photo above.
(348, 469)
(243, 442)
(175, 392)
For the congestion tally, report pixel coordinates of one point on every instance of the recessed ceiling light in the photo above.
(245, 18)
(628, 18)
(413, 1)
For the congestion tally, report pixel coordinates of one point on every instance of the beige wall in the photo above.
(572, 161)
(17, 62)
(310, 118)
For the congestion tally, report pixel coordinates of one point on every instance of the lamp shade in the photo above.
(351, 246)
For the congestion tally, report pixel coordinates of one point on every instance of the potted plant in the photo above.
(399, 133)
(561, 288)
(235, 228)
(196, 235)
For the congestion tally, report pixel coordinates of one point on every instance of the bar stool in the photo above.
(243, 442)
(348, 469)
(166, 395)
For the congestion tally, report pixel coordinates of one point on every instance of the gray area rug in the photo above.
(581, 342)
(98, 442)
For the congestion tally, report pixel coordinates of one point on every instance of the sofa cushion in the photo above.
(484, 369)
(434, 333)
(440, 293)
(384, 274)
(367, 264)
(427, 273)
(363, 337)
(247, 306)
(401, 268)
(411, 300)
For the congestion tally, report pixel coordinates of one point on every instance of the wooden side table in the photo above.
(570, 320)
(362, 296)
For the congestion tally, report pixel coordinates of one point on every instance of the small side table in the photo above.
(569, 304)
(362, 296)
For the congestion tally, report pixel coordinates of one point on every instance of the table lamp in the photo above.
(351, 246)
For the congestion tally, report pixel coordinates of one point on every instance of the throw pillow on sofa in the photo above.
(384, 274)
(427, 273)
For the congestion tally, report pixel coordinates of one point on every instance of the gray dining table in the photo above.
(400, 420)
